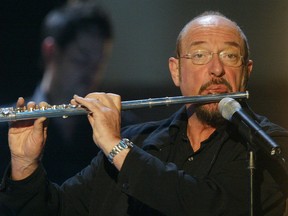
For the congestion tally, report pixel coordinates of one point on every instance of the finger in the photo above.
(20, 102)
(90, 103)
(73, 102)
(96, 101)
(39, 125)
(116, 100)
(40, 121)
(107, 99)
(80, 101)
(21, 105)
(31, 105)
(43, 105)
(94, 94)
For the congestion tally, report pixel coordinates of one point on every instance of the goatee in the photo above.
(209, 117)
(209, 114)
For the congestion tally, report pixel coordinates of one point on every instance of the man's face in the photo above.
(79, 67)
(213, 34)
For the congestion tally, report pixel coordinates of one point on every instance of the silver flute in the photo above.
(65, 110)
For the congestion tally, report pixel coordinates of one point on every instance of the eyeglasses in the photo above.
(202, 57)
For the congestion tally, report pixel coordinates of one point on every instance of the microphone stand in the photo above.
(248, 138)
(254, 136)
(251, 168)
(252, 146)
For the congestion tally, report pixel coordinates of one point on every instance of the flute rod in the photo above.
(66, 110)
(166, 101)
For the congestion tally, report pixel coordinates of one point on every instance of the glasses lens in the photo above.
(230, 58)
(200, 57)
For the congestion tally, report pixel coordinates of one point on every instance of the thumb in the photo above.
(39, 126)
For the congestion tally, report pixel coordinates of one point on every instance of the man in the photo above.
(193, 163)
(77, 40)
(76, 43)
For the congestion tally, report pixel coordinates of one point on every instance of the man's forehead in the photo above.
(213, 20)
(212, 23)
(201, 29)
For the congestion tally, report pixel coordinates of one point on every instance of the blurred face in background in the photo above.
(79, 67)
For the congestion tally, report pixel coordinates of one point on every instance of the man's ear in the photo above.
(48, 49)
(175, 70)
(249, 68)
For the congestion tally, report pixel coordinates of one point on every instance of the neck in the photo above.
(197, 132)
(66, 126)
(45, 84)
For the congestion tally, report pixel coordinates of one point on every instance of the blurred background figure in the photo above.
(76, 43)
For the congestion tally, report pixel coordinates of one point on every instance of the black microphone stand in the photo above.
(251, 168)
(253, 145)
(254, 136)
(251, 163)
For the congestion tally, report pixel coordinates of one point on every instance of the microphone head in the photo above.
(227, 107)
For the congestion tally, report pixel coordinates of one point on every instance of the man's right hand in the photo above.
(26, 141)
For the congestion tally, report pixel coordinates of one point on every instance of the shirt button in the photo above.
(190, 158)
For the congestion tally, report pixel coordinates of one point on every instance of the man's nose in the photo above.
(216, 66)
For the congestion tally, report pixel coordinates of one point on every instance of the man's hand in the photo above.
(26, 141)
(105, 119)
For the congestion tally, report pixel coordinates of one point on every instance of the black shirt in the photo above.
(161, 175)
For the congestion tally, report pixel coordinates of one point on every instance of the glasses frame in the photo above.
(189, 56)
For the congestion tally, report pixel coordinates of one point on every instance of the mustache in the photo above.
(220, 81)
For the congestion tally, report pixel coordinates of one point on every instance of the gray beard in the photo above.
(212, 118)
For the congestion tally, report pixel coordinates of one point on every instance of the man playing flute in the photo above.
(193, 163)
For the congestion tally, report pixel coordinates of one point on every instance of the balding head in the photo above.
(210, 19)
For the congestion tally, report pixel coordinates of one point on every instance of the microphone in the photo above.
(248, 128)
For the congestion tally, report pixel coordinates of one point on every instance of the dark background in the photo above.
(145, 35)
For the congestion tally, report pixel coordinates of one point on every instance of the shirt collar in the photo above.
(170, 128)
(166, 131)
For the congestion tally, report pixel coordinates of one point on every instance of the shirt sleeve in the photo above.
(165, 188)
(171, 191)
(28, 196)
(36, 195)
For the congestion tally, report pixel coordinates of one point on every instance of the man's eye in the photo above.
(230, 56)
(198, 55)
